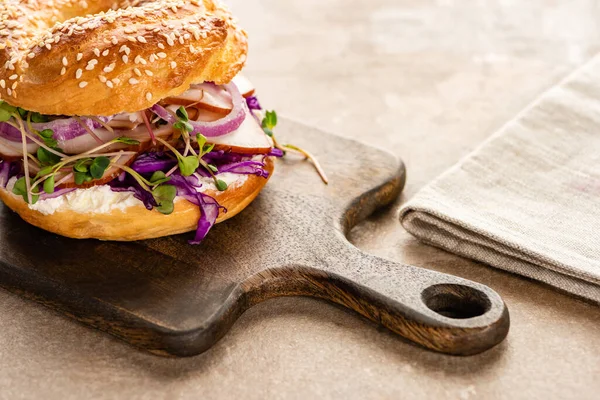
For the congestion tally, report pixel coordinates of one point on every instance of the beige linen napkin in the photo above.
(528, 200)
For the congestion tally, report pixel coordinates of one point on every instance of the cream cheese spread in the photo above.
(102, 200)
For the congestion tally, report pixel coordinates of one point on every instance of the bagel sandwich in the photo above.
(128, 120)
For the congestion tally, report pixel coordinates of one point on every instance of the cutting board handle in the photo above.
(441, 312)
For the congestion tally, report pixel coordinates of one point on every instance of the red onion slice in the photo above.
(69, 128)
(220, 127)
(11, 133)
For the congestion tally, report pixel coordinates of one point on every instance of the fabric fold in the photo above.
(528, 199)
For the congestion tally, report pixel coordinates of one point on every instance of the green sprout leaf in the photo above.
(208, 149)
(212, 168)
(183, 126)
(221, 185)
(158, 178)
(98, 167)
(48, 136)
(81, 177)
(268, 132)
(126, 140)
(22, 112)
(38, 118)
(49, 185)
(188, 165)
(7, 107)
(4, 115)
(47, 158)
(164, 196)
(20, 189)
(82, 165)
(182, 114)
(47, 133)
(270, 120)
(201, 139)
(45, 171)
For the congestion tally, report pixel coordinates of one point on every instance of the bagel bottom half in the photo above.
(136, 222)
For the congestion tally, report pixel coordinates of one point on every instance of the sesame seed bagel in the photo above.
(136, 222)
(103, 57)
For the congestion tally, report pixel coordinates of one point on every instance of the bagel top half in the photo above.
(103, 57)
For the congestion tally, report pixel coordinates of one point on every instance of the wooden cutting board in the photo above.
(172, 298)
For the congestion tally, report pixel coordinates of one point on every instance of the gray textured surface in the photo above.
(428, 80)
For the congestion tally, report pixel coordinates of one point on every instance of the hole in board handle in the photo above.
(456, 301)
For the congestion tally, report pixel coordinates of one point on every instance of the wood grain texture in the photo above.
(171, 298)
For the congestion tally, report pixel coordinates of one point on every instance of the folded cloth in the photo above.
(528, 199)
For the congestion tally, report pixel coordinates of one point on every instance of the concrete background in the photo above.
(428, 80)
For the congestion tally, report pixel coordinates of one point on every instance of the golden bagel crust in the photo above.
(103, 57)
(137, 223)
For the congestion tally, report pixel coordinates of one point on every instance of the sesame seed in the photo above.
(65, 61)
(63, 71)
(170, 42)
(131, 39)
(78, 73)
(162, 55)
(181, 40)
(97, 52)
(116, 81)
(109, 84)
(140, 60)
(137, 72)
(102, 78)
(105, 52)
(133, 81)
(141, 39)
(90, 66)
(148, 72)
(173, 65)
(109, 68)
(83, 84)
(3, 84)
(79, 56)
(48, 46)
(13, 77)
(125, 59)
(9, 91)
(161, 46)
(14, 85)
(114, 41)
(148, 96)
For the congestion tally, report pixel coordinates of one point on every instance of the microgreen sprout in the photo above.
(204, 149)
(269, 123)
(163, 194)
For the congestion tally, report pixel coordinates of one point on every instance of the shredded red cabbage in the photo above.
(252, 102)
(275, 152)
(187, 187)
(126, 183)
(151, 162)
